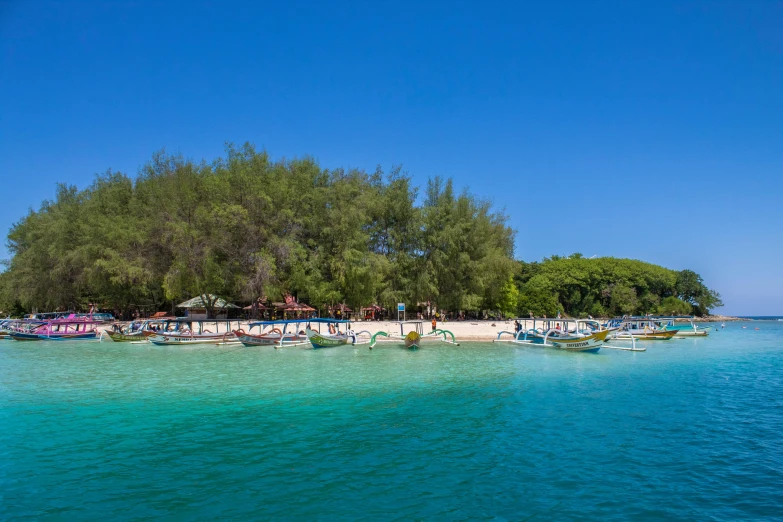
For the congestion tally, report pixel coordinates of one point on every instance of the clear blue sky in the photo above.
(650, 130)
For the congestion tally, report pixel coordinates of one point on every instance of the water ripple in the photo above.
(683, 431)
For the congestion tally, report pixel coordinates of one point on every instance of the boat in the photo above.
(71, 328)
(186, 331)
(277, 335)
(335, 337)
(642, 328)
(684, 330)
(414, 338)
(134, 331)
(6, 325)
(573, 335)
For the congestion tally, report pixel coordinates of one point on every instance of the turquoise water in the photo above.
(690, 429)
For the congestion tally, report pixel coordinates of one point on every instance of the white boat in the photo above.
(684, 330)
(186, 331)
(277, 333)
(573, 335)
(641, 328)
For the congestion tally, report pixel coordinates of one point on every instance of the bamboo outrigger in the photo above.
(279, 336)
(414, 339)
(684, 330)
(186, 331)
(573, 335)
(133, 332)
(644, 328)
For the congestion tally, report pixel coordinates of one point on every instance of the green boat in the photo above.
(335, 337)
(134, 331)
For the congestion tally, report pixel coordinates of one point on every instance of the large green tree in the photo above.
(244, 227)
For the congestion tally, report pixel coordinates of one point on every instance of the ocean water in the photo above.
(691, 429)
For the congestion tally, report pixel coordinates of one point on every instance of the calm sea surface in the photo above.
(692, 429)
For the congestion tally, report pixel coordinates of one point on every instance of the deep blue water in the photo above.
(692, 429)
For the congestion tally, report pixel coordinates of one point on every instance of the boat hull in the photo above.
(656, 336)
(119, 337)
(20, 336)
(169, 339)
(590, 343)
(250, 340)
(691, 333)
(318, 340)
(413, 341)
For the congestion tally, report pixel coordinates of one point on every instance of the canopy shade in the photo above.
(198, 302)
(343, 307)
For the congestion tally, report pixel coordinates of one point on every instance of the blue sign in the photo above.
(400, 307)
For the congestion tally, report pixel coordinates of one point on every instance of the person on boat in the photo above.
(331, 329)
(517, 326)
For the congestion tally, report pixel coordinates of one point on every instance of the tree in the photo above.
(509, 298)
(623, 300)
(674, 306)
(537, 297)
(243, 227)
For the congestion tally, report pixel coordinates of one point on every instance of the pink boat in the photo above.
(62, 329)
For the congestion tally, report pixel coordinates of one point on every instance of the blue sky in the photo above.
(649, 130)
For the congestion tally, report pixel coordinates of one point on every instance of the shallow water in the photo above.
(690, 429)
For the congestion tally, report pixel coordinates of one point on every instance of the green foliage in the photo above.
(538, 298)
(623, 300)
(508, 299)
(609, 286)
(674, 306)
(691, 289)
(244, 227)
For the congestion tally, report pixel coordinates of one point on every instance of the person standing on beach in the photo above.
(434, 324)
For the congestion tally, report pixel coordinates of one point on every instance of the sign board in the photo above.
(400, 307)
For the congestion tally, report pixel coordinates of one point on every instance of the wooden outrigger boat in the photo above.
(185, 331)
(134, 331)
(277, 335)
(573, 335)
(303, 332)
(6, 326)
(641, 328)
(685, 330)
(415, 338)
(71, 328)
(335, 337)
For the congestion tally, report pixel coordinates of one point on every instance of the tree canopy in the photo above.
(607, 286)
(245, 227)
